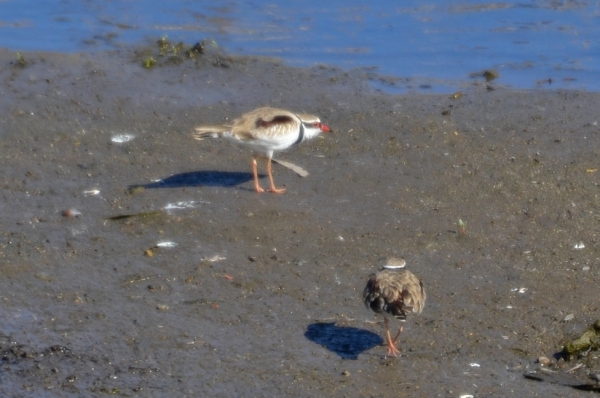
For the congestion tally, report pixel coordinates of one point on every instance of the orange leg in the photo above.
(392, 350)
(257, 186)
(272, 189)
(398, 334)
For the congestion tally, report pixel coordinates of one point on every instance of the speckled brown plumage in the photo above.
(394, 292)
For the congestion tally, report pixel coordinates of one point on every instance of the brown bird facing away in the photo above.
(394, 291)
(266, 130)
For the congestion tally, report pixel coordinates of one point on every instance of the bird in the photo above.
(396, 292)
(266, 130)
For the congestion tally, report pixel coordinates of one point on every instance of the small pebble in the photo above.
(162, 307)
(345, 373)
(569, 317)
(72, 212)
(543, 361)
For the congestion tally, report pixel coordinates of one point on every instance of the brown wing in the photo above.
(395, 292)
(265, 122)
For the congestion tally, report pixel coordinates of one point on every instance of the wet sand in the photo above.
(261, 294)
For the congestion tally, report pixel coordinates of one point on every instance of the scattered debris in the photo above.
(490, 75)
(168, 53)
(214, 258)
(140, 215)
(569, 317)
(190, 204)
(462, 226)
(149, 62)
(166, 244)
(544, 361)
(296, 169)
(44, 277)
(589, 340)
(122, 138)
(135, 189)
(561, 378)
(574, 368)
(21, 63)
(72, 212)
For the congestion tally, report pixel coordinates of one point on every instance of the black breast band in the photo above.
(300, 134)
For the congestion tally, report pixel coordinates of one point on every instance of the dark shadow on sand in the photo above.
(347, 342)
(207, 178)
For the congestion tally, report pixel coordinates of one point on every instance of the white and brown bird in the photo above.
(266, 130)
(394, 291)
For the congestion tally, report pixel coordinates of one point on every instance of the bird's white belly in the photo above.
(266, 144)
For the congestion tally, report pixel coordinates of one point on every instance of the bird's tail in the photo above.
(203, 132)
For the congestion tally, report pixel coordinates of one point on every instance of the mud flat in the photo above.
(136, 261)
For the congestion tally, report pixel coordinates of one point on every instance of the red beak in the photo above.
(325, 128)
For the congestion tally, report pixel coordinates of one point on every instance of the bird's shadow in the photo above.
(347, 342)
(208, 178)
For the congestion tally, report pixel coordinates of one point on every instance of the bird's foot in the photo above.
(276, 190)
(393, 351)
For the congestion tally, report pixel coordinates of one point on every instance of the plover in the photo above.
(266, 130)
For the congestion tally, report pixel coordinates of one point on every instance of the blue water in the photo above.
(434, 46)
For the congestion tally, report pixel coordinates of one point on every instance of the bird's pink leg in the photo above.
(255, 172)
(392, 350)
(272, 189)
(399, 333)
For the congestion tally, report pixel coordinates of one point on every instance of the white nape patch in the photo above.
(395, 263)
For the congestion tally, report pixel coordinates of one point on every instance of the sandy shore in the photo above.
(260, 294)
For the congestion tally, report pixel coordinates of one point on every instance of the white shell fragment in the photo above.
(166, 244)
(190, 204)
(91, 192)
(474, 365)
(520, 290)
(466, 396)
(569, 317)
(214, 258)
(579, 246)
(122, 138)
